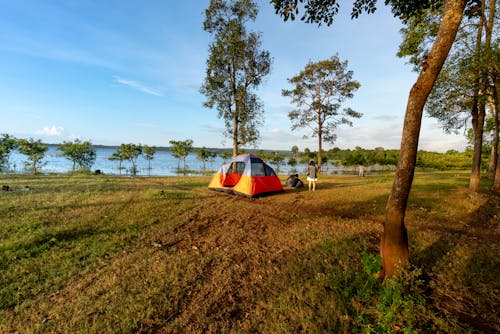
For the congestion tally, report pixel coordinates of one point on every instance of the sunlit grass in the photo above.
(97, 253)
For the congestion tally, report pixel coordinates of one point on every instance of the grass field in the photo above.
(104, 254)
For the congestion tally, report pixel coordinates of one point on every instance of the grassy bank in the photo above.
(107, 254)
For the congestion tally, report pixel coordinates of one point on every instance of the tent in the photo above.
(246, 175)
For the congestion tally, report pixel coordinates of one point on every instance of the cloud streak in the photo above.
(137, 86)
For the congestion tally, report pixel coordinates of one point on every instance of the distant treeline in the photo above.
(380, 156)
(347, 157)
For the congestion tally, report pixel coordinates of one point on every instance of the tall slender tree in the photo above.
(319, 92)
(394, 243)
(463, 87)
(236, 66)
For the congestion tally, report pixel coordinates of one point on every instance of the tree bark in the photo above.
(235, 136)
(320, 147)
(496, 99)
(475, 178)
(394, 242)
(320, 126)
(477, 112)
(494, 145)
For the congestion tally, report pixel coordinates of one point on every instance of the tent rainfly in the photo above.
(246, 175)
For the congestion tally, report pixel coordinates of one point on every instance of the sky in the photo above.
(129, 71)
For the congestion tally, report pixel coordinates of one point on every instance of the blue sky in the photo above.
(129, 72)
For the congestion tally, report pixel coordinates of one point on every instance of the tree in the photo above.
(496, 99)
(319, 91)
(34, 150)
(149, 154)
(394, 241)
(277, 160)
(225, 155)
(235, 68)
(82, 154)
(463, 86)
(117, 156)
(7, 144)
(292, 161)
(131, 152)
(295, 152)
(204, 155)
(181, 149)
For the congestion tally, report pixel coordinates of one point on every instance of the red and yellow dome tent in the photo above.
(246, 175)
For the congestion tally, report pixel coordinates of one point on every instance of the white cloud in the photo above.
(137, 86)
(53, 131)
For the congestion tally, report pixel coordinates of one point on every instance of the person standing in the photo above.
(312, 175)
(361, 170)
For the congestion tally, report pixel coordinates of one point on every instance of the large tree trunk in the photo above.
(478, 124)
(235, 136)
(478, 111)
(320, 126)
(496, 99)
(394, 243)
(320, 147)
(491, 69)
(494, 144)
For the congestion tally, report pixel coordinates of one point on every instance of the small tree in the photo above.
(82, 154)
(226, 155)
(117, 156)
(34, 150)
(149, 153)
(181, 149)
(277, 160)
(131, 152)
(319, 91)
(204, 154)
(7, 144)
(295, 152)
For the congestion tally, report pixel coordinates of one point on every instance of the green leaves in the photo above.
(7, 144)
(80, 153)
(318, 93)
(128, 152)
(235, 67)
(181, 149)
(34, 150)
(324, 11)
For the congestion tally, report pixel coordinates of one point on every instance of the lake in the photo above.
(163, 164)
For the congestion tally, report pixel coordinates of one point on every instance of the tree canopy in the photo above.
(394, 241)
(82, 154)
(235, 68)
(324, 11)
(130, 152)
(318, 94)
(181, 149)
(34, 150)
(7, 144)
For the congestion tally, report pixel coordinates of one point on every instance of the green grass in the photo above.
(105, 254)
